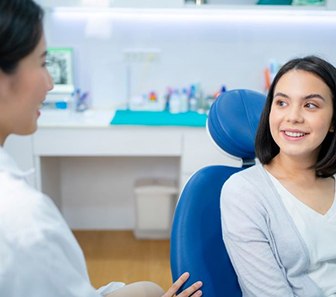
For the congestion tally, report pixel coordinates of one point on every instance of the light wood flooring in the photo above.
(118, 256)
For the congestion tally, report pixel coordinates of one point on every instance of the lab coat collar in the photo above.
(8, 164)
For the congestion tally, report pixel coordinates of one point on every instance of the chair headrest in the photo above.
(233, 120)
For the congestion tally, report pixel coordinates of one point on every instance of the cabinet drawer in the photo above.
(122, 141)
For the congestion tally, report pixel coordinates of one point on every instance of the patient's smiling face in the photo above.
(301, 114)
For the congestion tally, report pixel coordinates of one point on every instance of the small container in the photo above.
(175, 102)
(184, 101)
(193, 104)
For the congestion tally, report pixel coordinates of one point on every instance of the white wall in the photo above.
(213, 51)
(216, 50)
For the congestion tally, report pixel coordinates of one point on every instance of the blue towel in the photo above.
(158, 118)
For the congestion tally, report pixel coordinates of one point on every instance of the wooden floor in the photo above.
(118, 256)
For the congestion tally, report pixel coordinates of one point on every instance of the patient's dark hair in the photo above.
(21, 27)
(267, 149)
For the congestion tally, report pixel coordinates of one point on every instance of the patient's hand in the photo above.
(193, 290)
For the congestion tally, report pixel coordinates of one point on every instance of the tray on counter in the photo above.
(158, 118)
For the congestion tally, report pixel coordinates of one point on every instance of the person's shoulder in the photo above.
(246, 177)
(247, 185)
(245, 194)
(17, 194)
(26, 213)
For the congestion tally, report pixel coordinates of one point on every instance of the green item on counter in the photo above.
(308, 2)
(274, 2)
(158, 118)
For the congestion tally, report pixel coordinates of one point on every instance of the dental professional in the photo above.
(279, 216)
(39, 255)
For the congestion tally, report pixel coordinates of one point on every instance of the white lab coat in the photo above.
(39, 255)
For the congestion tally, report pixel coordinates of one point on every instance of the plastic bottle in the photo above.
(174, 102)
(193, 104)
(199, 98)
(167, 98)
(184, 101)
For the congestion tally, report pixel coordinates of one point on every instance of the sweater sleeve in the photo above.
(247, 238)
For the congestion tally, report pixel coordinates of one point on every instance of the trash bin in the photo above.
(154, 202)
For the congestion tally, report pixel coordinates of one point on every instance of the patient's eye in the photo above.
(280, 102)
(311, 105)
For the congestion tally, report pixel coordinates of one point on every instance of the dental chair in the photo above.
(196, 238)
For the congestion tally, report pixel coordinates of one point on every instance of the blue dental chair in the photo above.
(196, 238)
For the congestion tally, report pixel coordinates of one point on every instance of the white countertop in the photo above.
(70, 119)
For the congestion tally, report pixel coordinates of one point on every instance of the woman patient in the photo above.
(279, 216)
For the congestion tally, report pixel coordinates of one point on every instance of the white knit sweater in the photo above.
(265, 247)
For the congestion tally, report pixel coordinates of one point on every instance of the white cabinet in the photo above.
(109, 141)
(90, 172)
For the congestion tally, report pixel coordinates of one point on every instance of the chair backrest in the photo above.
(196, 238)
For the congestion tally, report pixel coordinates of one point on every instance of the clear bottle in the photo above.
(184, 101)
(193, 103)
(175, 102)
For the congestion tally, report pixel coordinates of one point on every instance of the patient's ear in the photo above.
(4, 85)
